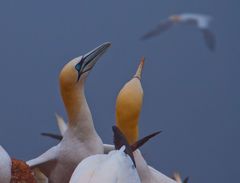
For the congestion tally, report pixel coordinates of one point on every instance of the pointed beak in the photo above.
(92, 57)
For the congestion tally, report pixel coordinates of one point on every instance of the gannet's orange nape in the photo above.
(129, 104)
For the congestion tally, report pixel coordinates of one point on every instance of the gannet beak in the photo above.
(90, 59)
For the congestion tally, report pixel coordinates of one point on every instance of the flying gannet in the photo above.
(80, 140)
(117, 166)
(202, 22)
(128, 108)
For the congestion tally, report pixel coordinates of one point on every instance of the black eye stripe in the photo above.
(78, 66)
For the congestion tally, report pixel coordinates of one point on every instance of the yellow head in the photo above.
(75, 71)
(73, 75)
(128, 106)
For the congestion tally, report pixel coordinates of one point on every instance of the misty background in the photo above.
(190, 93)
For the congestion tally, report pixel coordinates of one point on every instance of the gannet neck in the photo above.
(131, 132)
(129, 104)
(78, 112)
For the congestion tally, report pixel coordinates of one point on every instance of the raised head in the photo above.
(129, 105)
(77, 70)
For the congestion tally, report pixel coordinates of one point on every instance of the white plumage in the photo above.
(80, 139)
(115, 167)
(5, 166)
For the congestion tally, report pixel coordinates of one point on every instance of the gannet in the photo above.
(202, 22)
(177, 177)
(128, 108)
(13, 170)
(117, 166)
(80, 140)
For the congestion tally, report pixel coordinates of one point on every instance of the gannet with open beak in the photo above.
(80, 140)
(117, 166)
(202, 22)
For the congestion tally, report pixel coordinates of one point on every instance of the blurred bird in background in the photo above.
(202, 22)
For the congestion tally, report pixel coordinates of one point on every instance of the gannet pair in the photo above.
(80, 139)
(12, 170)
(202, 22)
(128, 107)
(118, 166)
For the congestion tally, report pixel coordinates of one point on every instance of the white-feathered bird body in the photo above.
(115, 167)
(5, 166)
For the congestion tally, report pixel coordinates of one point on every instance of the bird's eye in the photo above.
(78, 66)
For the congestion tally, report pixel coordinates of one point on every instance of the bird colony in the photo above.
(81, 156)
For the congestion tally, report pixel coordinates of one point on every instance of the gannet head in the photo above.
(77, 70)
(128, 106)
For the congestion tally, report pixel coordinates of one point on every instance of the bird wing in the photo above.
(203, 21)
(162, 27)
(62, 125)
(53, 136)
(48, 157)
(209, 38)
(120, 140)
(142, 141)
(87, 168)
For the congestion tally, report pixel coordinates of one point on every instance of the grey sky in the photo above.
(190, 93)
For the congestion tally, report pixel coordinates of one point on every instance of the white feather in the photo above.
(115, 167)
(5, 166)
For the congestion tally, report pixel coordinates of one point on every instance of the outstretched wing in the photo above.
(51, 135)
(162, 27)
(209, 38)
(45, 160)
(142, 141)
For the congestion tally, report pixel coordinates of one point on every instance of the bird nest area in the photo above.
(21, 173)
